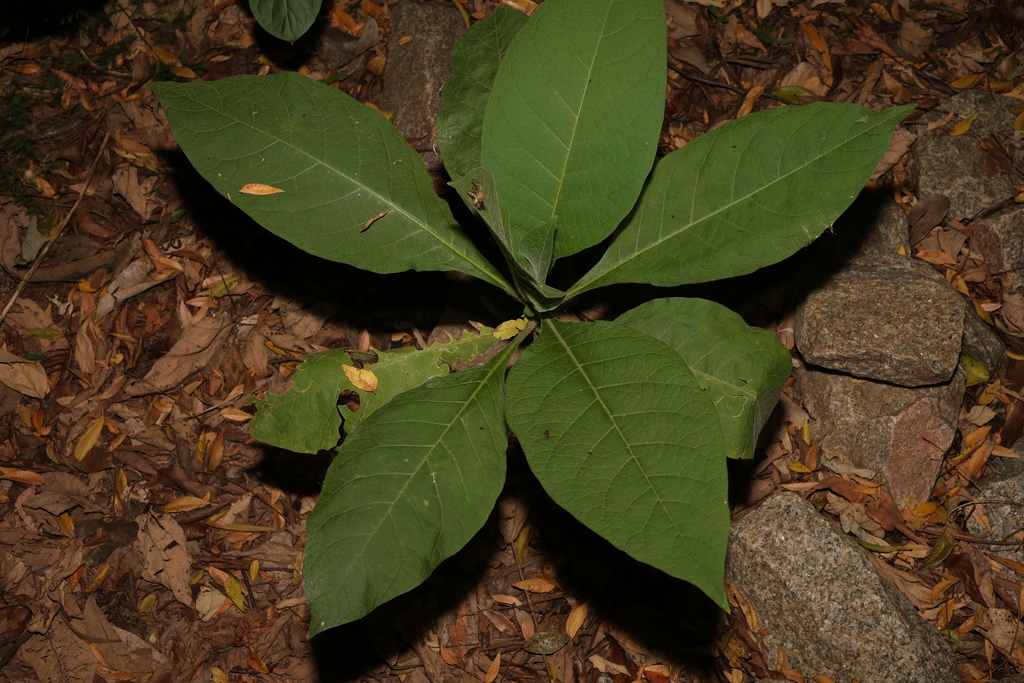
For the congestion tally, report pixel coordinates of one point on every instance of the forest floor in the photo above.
(144, 536)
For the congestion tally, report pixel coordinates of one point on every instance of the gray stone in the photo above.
(1006, 485)
(819, 597)
(887, 318)
(873, 225)
(982, 343)
(999, 238)
(901, 433)
(416, 70)
(957, 166)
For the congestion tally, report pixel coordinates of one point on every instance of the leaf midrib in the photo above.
(585, 283)
(423, 463)
(629, 447)
(576, 118)
(486, 269)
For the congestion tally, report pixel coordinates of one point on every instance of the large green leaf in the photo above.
(746, 195)
(620, 434)
(340, 165)
(285, 19)
(742, 368)
(306, 419)
(571, 126)
(407, 490)
(475, 62)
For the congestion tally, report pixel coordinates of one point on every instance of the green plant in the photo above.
(550, 126)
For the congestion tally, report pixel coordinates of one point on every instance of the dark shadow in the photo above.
(670, 618)
(32, 21)
(834, 249)
(301, 474)
(350, 652)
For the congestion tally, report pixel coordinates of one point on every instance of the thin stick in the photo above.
(53, 238)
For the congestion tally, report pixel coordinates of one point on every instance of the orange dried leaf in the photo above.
(812, 34)
(67, 525)
(965, 82)
(535, 586)
(882, 12)
(577, 616)
(939, 258)
(492, 670)
(99, 578)
(218, 575)
(185, 504)
(507, 600)
(963, 126)
(259, 189)
(22, 476)
(215, 453)
(448, 656)
(235, 415)
(1003, 452)
(657, 673)
(977, 435)
(166, 57)
(925, 509)
(500, 621)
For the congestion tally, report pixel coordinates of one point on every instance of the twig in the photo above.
(720, 84)
(56, 233)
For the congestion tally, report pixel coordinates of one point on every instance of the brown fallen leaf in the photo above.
(186, 504)
(535, 586)
(196, 347)
(22, 476)
(24, 376)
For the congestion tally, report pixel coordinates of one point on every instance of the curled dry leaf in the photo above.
(259, 189)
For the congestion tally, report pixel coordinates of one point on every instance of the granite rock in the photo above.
(417, 69)
(888, 318)
(899, 432)
(957, 166)
(819, 597)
